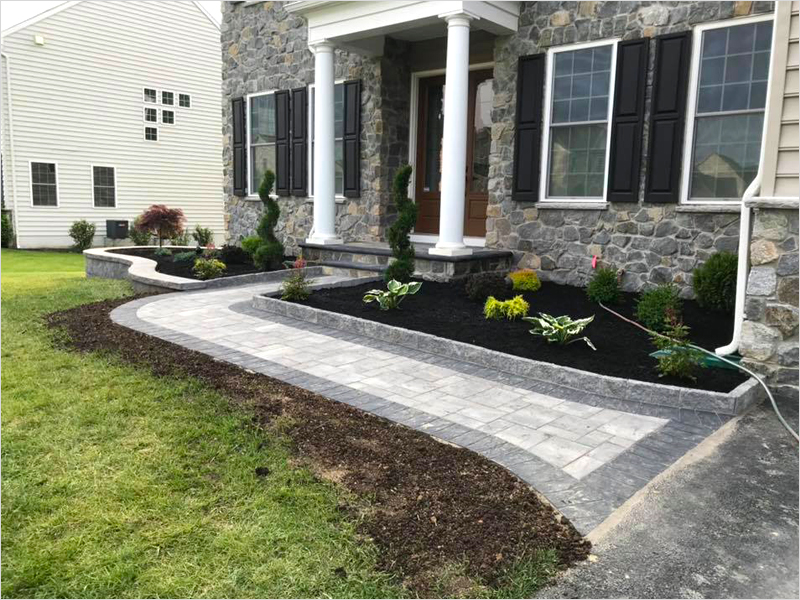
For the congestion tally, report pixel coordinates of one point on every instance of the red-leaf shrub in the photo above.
(164, 222)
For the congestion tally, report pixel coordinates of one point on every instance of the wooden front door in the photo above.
(430, 126)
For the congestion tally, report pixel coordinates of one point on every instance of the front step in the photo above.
(351, 269)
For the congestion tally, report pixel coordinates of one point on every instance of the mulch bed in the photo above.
(168, 266)
(430, 504)
(444, 310)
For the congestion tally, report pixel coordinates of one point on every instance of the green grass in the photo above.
(120, 484)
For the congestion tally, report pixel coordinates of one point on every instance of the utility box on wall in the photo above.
(116, 230)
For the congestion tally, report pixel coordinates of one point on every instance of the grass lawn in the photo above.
(120, 484)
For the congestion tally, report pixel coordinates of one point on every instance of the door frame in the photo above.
(412, 139)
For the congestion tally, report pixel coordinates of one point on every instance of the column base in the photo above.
(324, 241)
(458, 251)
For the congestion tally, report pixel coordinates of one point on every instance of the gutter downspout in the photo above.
(11, 147)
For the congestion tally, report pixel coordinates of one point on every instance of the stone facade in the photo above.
(265, 48)
(769, 333)
(652, 243)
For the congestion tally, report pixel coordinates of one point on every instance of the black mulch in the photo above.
(168, 266)
(443, 309)
(430, 504)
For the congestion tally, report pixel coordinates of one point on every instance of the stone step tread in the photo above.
(343, 264)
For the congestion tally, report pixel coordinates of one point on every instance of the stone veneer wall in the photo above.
(653, 243)
(769, 334)
(265, 48)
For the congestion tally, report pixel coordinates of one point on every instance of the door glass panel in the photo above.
(434, 113)
(482, 138)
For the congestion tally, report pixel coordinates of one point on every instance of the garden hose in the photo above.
(722, 358)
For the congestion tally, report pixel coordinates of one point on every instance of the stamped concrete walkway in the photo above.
(587, 458)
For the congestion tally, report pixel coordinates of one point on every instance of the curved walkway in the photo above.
(587, 459)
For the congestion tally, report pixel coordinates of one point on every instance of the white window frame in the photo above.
(691, 107)
(144, 114)
(116, 196)
(144, 134)
(30, 183)
(310, 126)
(548, 98)
(253, 194)
(174, 117)
(161, 98)
(179, 101)
(144, 95)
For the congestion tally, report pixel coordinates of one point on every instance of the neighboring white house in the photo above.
(108, 108)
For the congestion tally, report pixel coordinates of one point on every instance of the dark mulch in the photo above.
(168, 266)
(431, 504)
(443, 309)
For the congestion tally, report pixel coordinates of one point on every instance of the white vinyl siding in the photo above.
(79, 101)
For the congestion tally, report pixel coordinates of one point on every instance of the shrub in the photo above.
(714, 282)
(676, 358)
(82, 232)
(402, 267)
(162, 252)
(250, 244)
(269, 253)
(508, 309)
(394, 294)
(525, 280)
(652, 306)
(139, 236)
(480, 286)
(182, 239)
(561, 330)
(604, 286)
(208, 268)
(163, 222)
(184, 256)
(7, 231)
(202, 235)
(296, 287)
(231, 254)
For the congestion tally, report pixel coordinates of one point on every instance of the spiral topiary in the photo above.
(402, 268)
(269, 254)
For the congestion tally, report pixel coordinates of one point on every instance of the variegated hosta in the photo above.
(393, 295)
(562, 330)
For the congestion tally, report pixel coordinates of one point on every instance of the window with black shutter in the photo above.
(530, 90)
(239, 147)
(282, 143)
(352, 139)
(299, 142)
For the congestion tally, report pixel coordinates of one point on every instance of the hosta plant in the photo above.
(561, 330)
(393, 295)
(506, 309)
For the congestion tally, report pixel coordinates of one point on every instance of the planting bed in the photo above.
(443, 310)
(166, 264)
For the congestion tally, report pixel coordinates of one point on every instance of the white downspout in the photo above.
(11, 146)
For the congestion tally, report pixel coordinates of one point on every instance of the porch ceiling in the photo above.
(361, 26)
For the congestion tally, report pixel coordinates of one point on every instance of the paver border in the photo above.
(734, 402)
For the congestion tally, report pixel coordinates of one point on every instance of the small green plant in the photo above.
(7, 231)
(296, 287)
(208, 268)
(714, 282)
(560, 330)
(162, 252)
(676, 358)
(269, 253)
(82, 232)
(652, 306)
(506, 309)
(138, 235)
(525, 280)
(480, 286)
(250, 244)
(604, 286)
(181, 239)
(393, 295)
(231, 254)
(402, 267)
(202, 235)
(186, 257)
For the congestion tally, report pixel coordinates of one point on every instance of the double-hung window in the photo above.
(726, 124)
(104, 187)
(261, 137)
(44, 184)
(578, 113)
(338, 135)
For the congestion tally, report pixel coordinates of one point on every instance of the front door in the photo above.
(430, 126)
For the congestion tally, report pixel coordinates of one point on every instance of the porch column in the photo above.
(324, 231)
(454, 141)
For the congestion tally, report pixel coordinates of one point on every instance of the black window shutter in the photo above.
(527, 149)
(628, 120)
(282, 143)
(239, 147)
(667, 114)
(352, 139)
(299, 149)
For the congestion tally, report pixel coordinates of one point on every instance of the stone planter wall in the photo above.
(769, 333)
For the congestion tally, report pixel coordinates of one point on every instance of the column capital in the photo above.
(459, 18)
(321, 46)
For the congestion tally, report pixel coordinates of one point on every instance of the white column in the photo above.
(454, 142)
(324, 185)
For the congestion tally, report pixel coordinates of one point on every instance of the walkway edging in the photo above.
(734, 402)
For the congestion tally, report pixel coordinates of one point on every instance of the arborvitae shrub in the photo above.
(604, 286)
(653, 305)
(480, 286)
(402, 268)
(714, 282)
